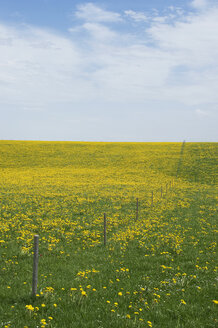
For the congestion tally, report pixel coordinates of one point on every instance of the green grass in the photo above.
(159, 271)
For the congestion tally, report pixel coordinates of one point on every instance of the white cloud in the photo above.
(161, 19)
(136, 16)
(192, 40)
(36, 67)
(92, 13)
(171, 65)
(199, 4)
(99, 31)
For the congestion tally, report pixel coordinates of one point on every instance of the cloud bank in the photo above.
(114, 63)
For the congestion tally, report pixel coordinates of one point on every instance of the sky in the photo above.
(115, 70)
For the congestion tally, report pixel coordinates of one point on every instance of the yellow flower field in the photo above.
(159, 267)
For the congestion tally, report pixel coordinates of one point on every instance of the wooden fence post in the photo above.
(35, 265)
(105, 230)
(152, 198)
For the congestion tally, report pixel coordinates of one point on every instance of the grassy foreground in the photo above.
(157, 271)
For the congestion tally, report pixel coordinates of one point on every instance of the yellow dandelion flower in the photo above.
(29, 307)
(83, 293)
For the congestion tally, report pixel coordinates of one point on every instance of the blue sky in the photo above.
(109, 70)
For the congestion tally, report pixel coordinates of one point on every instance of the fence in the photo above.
(36, 237)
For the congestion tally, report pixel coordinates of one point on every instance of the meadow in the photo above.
(158, 270)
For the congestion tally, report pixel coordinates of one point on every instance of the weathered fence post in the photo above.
(152, 198)
(35, 265)
(161, 192)
(137, 208)
(105, 230)
(166, 187)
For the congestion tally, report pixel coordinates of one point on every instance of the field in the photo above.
(158, 270)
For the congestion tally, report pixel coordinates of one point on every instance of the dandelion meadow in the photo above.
(159, 265)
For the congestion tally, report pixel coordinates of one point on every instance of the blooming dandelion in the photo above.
(83, 293)
(29, 307)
